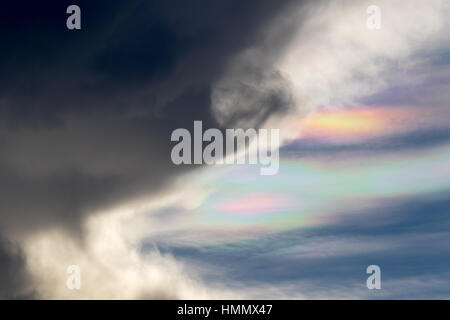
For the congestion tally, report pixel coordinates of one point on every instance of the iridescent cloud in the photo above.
(366, 122)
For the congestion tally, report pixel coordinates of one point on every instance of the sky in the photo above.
(86, 176)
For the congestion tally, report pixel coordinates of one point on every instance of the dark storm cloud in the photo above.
(134, 55)
(15, 279)
(97, 106)
(86, 115)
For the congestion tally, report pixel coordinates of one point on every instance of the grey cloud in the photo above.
(16, 282)
(249, 98)
(81, 128)
(86, 116)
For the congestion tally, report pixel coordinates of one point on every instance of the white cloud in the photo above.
(330, 59)
(112, 266)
